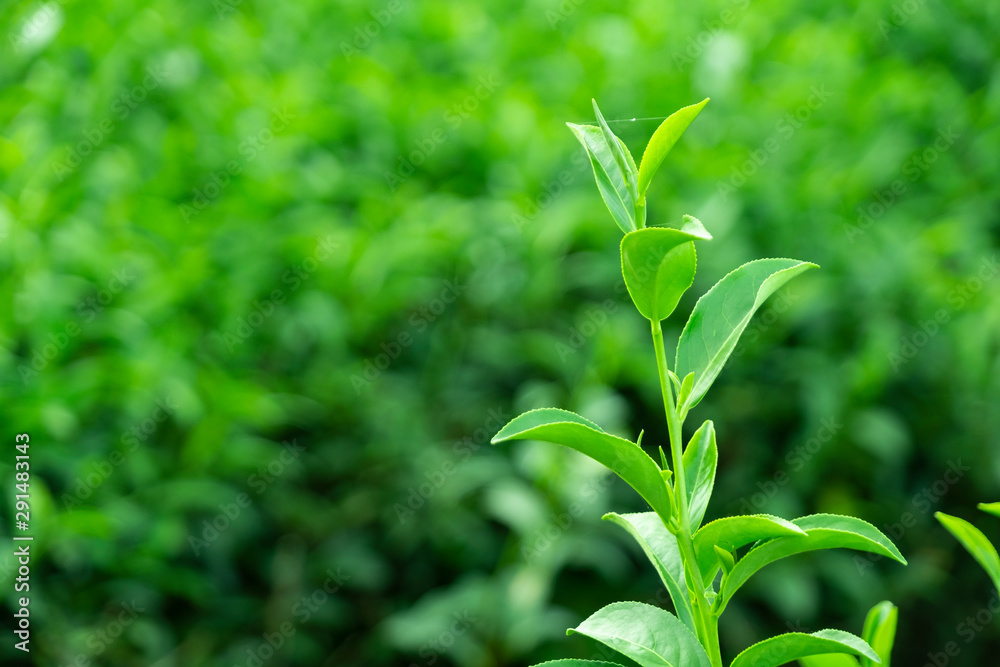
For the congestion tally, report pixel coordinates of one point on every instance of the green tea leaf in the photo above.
(700, 459)
(725, 558)
(721, 315)
(663, 140)
(610, 179)
(992, 508)
(618, 150)
(734, 532)
(828, 660)
(658, 264)
(823, 531)
(975, 543)
(880, 632)
(662, 551)
(624, 458)
(685, 389)
(794, 645)
(573, 662)
(648, 635)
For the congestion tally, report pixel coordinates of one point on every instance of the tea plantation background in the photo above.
(274, 273)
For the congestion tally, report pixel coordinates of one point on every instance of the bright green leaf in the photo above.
(700, 459)
(795, 645)
(646, 634)
(610, 180)
(663, 140)
(992, 508)
(734, 532)
(823, 531)
(658, 264)
(573, 662)
(685, 389)
(880, 632)
(975, 543)
(624, 458)
(725, 558)
(618, 150)
(828, 660)
(662, 551)
(721, 315)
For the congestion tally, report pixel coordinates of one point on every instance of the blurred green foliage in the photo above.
(363, 230)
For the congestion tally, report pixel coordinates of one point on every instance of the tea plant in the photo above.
(701, 566)
(974, 541)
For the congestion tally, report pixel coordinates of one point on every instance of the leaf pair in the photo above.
(623, 186)
(822, 531)
(658, 264)
(879, 633)
(775, 539)
(652, 637)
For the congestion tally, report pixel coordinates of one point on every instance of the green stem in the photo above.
(707, 623)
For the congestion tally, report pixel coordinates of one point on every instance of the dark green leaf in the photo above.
(622, 456)
(795, 645)
(661, 548)
(648, 635)
(823, 531)
(734, 532)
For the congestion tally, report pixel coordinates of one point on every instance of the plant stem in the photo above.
(707, 623)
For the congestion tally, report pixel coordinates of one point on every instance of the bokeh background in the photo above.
(274, 273)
